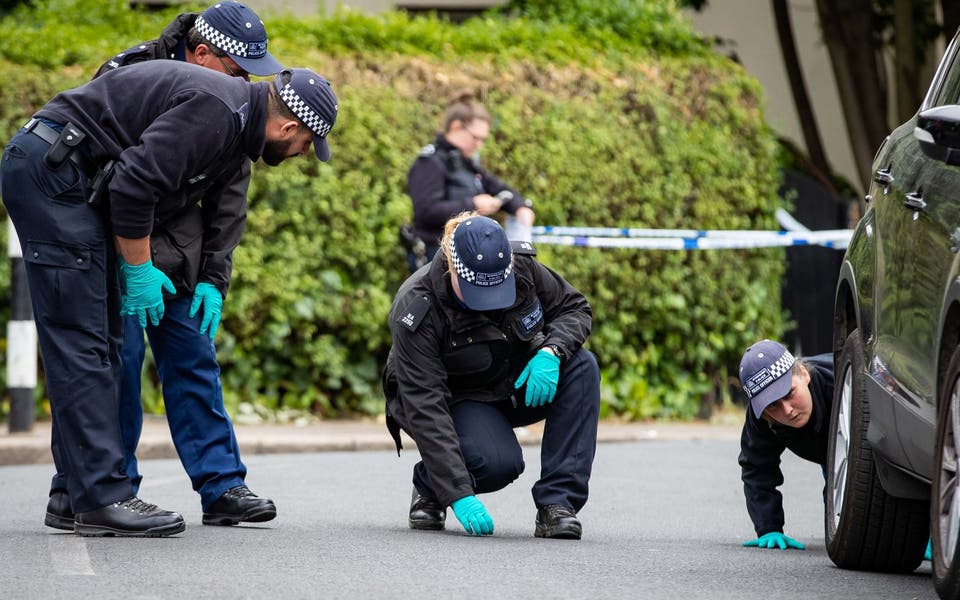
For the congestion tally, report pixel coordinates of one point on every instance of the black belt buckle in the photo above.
(68, 141)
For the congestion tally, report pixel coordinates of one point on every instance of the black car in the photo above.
(892, 466)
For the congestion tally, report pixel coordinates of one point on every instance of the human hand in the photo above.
(209, 296)
(144, 285)
(541, 375)
(473, 516)
(525, 216)
(774, 539)
(486, 204)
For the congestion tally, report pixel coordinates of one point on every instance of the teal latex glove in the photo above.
(144, 285)
(541, 376)
(928, 555)
(775, 539)
(473, 516)
(209, 296)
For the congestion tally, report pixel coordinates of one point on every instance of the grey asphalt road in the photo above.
(665, 520)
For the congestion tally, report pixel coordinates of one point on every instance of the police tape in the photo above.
(687, 239)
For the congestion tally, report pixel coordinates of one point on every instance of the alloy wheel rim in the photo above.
(948, 503)
(841, 448)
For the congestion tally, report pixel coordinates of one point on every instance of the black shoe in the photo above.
(130, 518)
(426, 513)
(59, 514)
(237, 505)
(558, 522)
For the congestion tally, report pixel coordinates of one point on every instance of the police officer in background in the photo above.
(446, 179)
(84, 182)
(194, 248)
(486, 339)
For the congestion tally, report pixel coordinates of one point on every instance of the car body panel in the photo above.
(901, 270)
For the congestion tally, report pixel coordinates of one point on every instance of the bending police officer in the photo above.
(194, 248)
(486, 339)
(790, 405)
(171, 131)
(446, 179)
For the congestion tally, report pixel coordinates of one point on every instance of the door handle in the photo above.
(884, 177)
(914, 201)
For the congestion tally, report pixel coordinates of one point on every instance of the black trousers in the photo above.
(71, 272)
(494, 457)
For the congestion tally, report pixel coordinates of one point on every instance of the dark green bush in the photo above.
(600, 126)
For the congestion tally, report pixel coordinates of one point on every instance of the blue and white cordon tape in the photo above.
(686, 239)
(796, 234)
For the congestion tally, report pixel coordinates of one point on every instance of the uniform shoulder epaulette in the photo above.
(414, 313)
(124, 57)
(525, 248)
(240, 115)
(428, 150)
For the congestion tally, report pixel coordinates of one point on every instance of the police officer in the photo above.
(790, 407)
(486, 339)
(167, 133)
(194, 248)
(446, 179)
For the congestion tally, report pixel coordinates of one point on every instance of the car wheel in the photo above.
(945, 495)
(865, 528)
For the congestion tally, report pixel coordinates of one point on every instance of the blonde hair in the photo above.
(463, 108)
(448, 230)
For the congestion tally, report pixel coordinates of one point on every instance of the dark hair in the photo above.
(194, 39)
(463, 108)
(276, 107)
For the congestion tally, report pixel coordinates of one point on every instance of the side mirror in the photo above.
(938, 132)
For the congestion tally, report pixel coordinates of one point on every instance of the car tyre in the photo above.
(865, 528)
(945, 495)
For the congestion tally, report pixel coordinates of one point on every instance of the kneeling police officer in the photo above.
(486, 339)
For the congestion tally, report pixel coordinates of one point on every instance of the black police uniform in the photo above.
(174, 131)
(762, 443)
(449, 383)
(197, 244)
(442, 183)
(193, 245)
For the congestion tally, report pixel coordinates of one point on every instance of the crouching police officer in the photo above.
(790, 405)
(486, 339)
(167, 132)
(194, 248)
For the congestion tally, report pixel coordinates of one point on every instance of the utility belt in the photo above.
(68, 144)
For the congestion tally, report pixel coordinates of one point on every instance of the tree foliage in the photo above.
(644, 131)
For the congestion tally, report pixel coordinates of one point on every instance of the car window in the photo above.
(949, 92)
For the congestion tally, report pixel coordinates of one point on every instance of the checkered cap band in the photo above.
(229, 44)
(311, 119)
(768, 375)
(478, 278)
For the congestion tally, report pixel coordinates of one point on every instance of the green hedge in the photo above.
(598, 127)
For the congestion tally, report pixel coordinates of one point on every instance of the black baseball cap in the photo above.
(238, 31)
(483, 264)
(765, 374)
(311, 98)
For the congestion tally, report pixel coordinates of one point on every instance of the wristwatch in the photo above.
(554, 350)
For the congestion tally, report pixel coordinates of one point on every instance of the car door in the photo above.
(927, 216)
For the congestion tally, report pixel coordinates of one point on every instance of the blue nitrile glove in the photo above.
(541, 376)
(775, 539)
(208, 295)
(928, 555)
(144, 285)
(473, 516)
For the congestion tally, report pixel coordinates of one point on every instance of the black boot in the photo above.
(426, 513)
(238, 505)
(558, 522)
(131, 518)
(59, 514)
